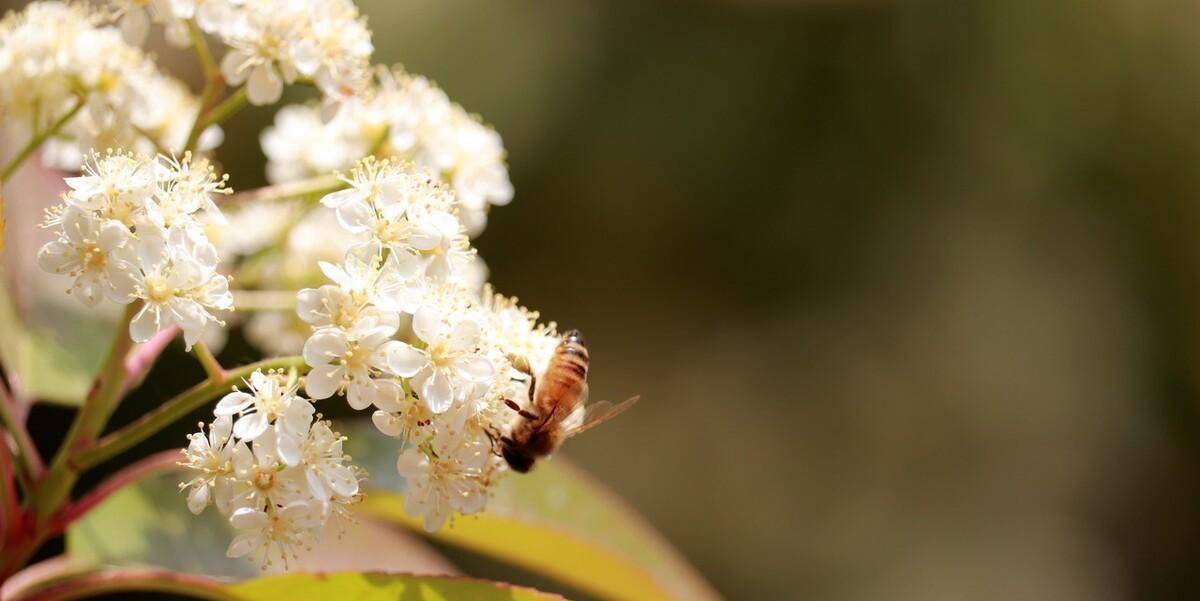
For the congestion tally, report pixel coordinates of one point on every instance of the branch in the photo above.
(105, 393)
(173, 410)
(129, 474)
(316, 186)
(36, 141)
(212, 367)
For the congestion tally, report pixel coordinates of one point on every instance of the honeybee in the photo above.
(555, 400)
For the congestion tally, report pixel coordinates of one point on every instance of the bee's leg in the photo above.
(515, 407)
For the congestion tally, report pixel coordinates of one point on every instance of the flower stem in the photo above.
(212, 367)
(202, 52)
(226, 109)
(213, 83)
(312, 187)
(173, 410)
(38, 138)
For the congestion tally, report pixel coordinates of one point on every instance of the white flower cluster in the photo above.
(400, 330)
(54, 55)
(132, 228)
(406, 117)
(271, 41)
(273, 470)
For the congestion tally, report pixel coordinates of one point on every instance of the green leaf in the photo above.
(148, 524)
(381, 587)
(555, 521)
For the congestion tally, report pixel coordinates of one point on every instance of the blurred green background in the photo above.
(909, 289)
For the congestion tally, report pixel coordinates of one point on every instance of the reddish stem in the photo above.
(127, 475)
(127, 581)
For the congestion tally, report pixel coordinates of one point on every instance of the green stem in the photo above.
(212, 367)
(173, 410)
(226, 109)
(202, 52)
(218, 114)
(38, 138)
(213, 84)
(305, 188)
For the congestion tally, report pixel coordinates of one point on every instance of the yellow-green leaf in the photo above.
(356, 586)
(555, 521)
(380, 587)
(55, 350)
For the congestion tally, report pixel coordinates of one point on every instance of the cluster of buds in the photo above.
(133, 228)
(276, 473)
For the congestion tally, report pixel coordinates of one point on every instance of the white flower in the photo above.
(448, 478)
(88, 250)
(272, 402)
(262, 479)
(325, 466)
(449, 362)
(421, 125)
(211, 457)
(278, 41)
(179, 286)
(354, 361)
(276, 533)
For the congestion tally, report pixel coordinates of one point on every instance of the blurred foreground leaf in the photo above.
(359, 586)
(53, 364)
(555, 521)
(381, 587)
(148, 524)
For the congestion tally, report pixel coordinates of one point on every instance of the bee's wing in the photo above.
(598, 413)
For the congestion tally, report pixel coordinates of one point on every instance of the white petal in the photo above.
(437, 393)
(404, 360)
(342, 479)
(386, 423)
(465, 335)
(232, 403)
(264, 86)
(427, 324)
(145, 324)
(289, 450)
(249, 427)
(474, 368)
(198, 499)
(325, 346)
(360, 395)
(243, 544)
(323, 381)
(247, 518)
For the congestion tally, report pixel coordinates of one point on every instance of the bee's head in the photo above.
(575, 336)
(519, 460)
